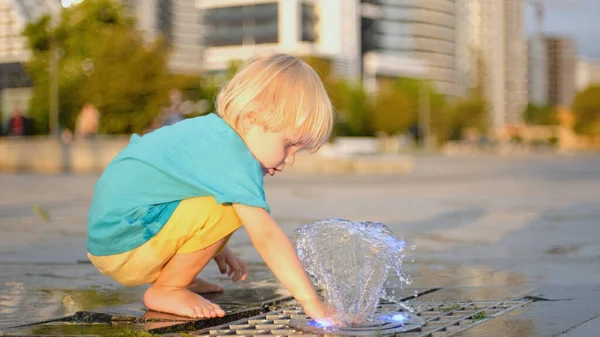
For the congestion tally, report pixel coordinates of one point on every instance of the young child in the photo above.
(169, 202)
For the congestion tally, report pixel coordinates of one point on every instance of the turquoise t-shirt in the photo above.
(144, 183)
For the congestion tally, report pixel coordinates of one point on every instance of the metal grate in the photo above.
(437, 320)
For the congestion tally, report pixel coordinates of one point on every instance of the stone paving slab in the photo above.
(477, 293)
(237, 303)
(448, 311)
(443, 310)
(557, 311)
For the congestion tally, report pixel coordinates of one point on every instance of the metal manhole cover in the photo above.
(387, 323)
(431, 319)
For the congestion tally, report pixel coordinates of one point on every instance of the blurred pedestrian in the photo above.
(20, 125)
(87, 122)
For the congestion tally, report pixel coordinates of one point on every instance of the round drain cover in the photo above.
(385, 324)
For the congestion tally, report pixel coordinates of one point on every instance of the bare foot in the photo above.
(200, 286)
(180, 301)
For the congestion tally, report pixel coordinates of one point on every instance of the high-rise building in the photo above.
(363, 38)
(496, 56)
(537, 70)
(562, 59)
(416, 31)
(558, 71)
(180, 23)
(587, 73)
(236, 29)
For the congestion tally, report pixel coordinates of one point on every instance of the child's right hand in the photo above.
(321, 313)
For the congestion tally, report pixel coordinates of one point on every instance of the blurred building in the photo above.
(416, 33)
(494, 49)
(14, 83)
(366, 39)
(587, 72)
(207, 35)
(537, 70)
(180, 23)
(559, 73)
(562, 54)
(237, 29)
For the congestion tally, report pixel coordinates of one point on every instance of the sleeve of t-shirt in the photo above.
(243, 184)
(232, 176)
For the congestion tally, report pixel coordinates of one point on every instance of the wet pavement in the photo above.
(486, 229)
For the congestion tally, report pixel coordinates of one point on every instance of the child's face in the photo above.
(273, 149)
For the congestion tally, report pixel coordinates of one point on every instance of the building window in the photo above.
(164, 16)
(309, 23)
(240, 25)
(13, 75)
(369, 35)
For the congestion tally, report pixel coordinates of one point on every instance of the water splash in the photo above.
(351, 262)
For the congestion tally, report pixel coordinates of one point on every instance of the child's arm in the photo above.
(279, 255)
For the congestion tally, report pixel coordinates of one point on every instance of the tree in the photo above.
(467, 113)
(337, 90)
(353, 110)
(437, 103)
(104, 61)
(539, 115)
(586, 108)
(393, 110)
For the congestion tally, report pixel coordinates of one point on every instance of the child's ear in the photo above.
(247, 120)
(251, 117)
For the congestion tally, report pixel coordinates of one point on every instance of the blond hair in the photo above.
(284, 93)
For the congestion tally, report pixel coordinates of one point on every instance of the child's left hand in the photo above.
(231, 265)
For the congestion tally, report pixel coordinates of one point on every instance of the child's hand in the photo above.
(231, 265)
(321, 313)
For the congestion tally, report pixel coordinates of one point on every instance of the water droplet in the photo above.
(416, 293)
(413, 260)
(413, 246)
(408, 281)
(387, 283)
(393, 292)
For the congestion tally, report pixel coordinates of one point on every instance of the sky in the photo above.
(576, 18)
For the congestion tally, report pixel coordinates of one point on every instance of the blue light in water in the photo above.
(321, 324)
(395, 318)
(399, 318)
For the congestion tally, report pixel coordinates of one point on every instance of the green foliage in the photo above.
(539, 115)
(393, 110)
(338, 94)
(190, 86)
(452, 307)
(586, 109)
(353, 110)
(233, 67)
(132, 333)
(467, 113)
(103, 61)
(479, 316)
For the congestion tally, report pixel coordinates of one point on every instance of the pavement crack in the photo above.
(576, 326)
(541, 299)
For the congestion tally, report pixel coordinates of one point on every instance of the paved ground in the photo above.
(501, 223)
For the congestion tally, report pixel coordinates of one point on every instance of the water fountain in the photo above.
(351, 261)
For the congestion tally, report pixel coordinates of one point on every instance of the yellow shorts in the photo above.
(194, 225)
